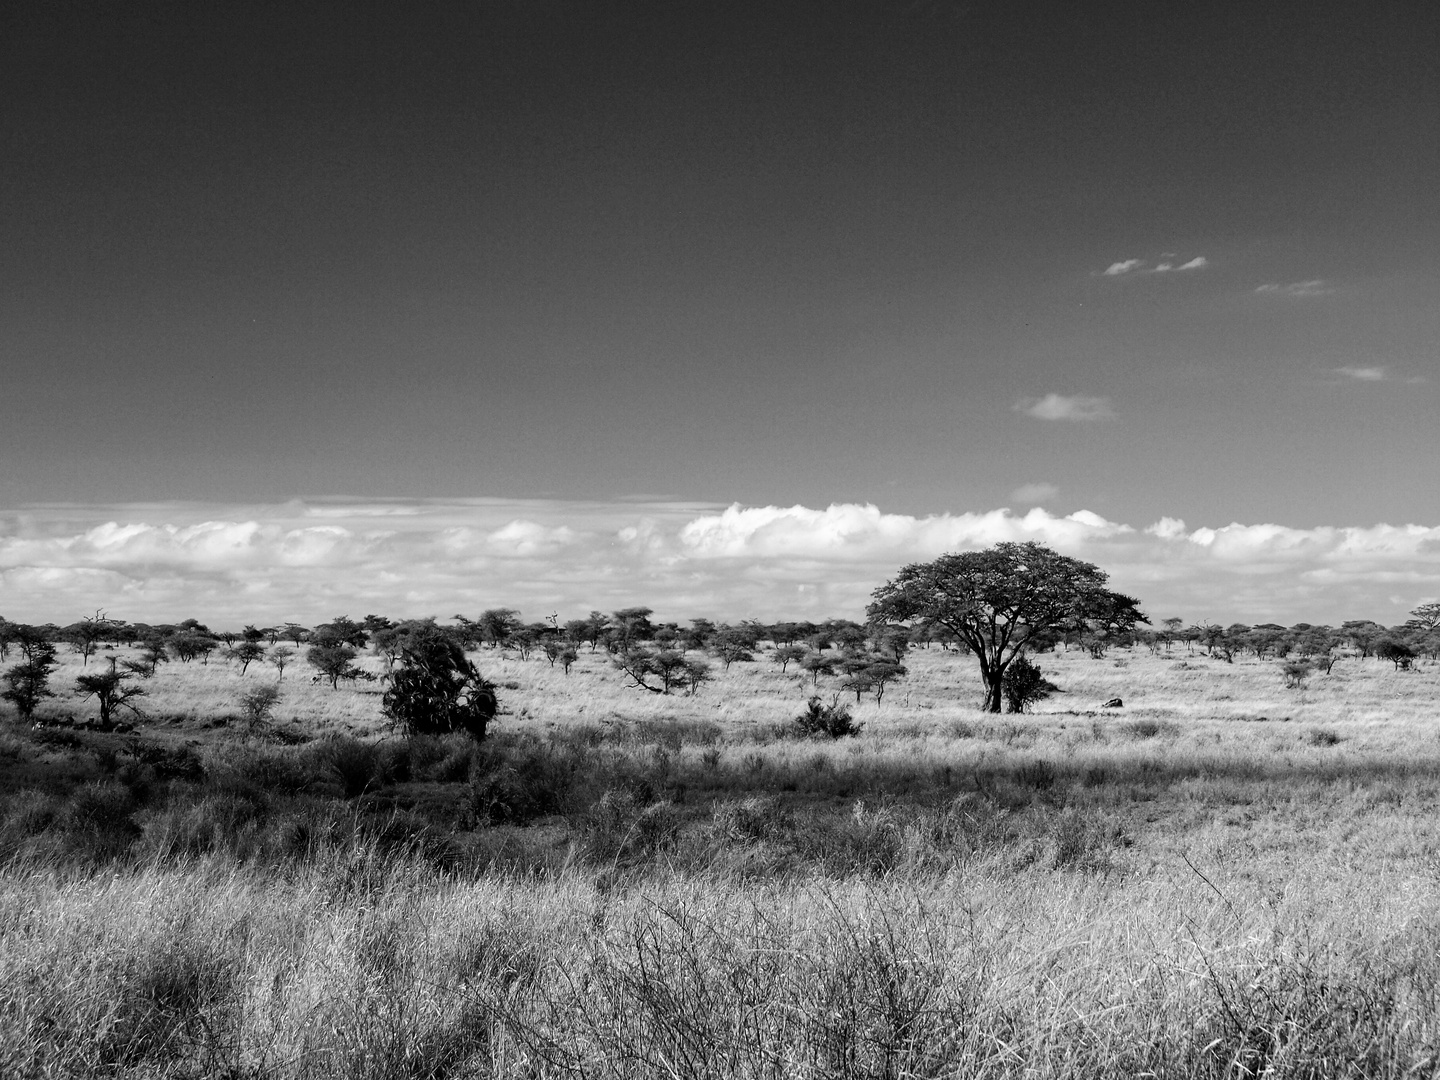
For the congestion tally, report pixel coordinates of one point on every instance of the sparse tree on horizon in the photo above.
(996, 600)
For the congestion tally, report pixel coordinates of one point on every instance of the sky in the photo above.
(724, 309)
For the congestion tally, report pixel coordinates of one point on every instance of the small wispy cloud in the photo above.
(1062, 407)
(1166, 264)
(1363, 374)
(1317, 287)
(1032, 494)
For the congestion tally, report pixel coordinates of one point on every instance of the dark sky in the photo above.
(765, 253)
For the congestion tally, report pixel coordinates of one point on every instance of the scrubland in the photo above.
(1224, 878)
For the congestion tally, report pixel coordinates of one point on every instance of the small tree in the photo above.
(644, 665)
(1295, 673)
(733, 643)
(785, 655)
(697, 672)
(85, 636)
(334, 662)
(816, 664)
(247, 652)
(111, 691)
(1397, 652)
(281, 656)
(152, 655)
(29, 681)
(258, 704)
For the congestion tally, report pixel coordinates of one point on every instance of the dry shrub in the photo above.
(1039, 775)
(751, 820)
(355, 767)
(174, 1001)
(519, 779)
(623, 829)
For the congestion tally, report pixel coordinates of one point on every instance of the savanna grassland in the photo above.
(1224, 877)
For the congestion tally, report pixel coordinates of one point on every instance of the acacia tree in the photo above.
(1425, 617)
(111, 691)
(333, 662)
(29, 681)
(998, 599)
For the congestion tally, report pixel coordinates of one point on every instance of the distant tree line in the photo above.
(918, 610)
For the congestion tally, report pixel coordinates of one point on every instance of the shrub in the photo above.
(444, 759)
(1295, 673)
(831, 721)
(1038, 774)
(749, 821)
(436, 690)
(518, 783)
(1024, 685)
(624, 828)
(258, 704)
(356, 766)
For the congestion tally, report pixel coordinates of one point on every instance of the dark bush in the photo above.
(522, 780)
(1038, 774)
(443, 759)
(831, 721)
(357, 767)
(1023, 684)
(436, 690)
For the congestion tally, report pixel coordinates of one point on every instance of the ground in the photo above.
(1221, 877)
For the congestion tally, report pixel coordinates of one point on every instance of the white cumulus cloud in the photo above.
(1076, 407)
(1123, 267)
(310, 563)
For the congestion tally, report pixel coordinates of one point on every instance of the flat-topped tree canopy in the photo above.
(1000, 599)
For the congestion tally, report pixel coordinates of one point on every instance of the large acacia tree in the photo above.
(999, 599)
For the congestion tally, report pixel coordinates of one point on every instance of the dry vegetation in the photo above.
(1223, 878)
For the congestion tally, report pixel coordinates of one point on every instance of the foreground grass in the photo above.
(393, 971)
(1225, 879)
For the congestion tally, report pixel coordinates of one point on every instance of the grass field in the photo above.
(1223, 878)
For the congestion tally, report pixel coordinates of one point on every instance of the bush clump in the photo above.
(436, 690)
(519, 783)
(831, 721)
(1023, 684)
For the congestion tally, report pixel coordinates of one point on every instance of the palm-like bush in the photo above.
(436, 690)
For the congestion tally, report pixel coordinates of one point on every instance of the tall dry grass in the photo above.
(1224, 878)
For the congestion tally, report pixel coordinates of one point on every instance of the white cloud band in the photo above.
(313, 562)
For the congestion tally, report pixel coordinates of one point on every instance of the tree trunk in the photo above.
(993, 692)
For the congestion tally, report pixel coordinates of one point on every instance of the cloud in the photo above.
(1296, 289)
(1166, 264)
(230, 566)
(1061, 407)
(1034, 493)
(1363, 374)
